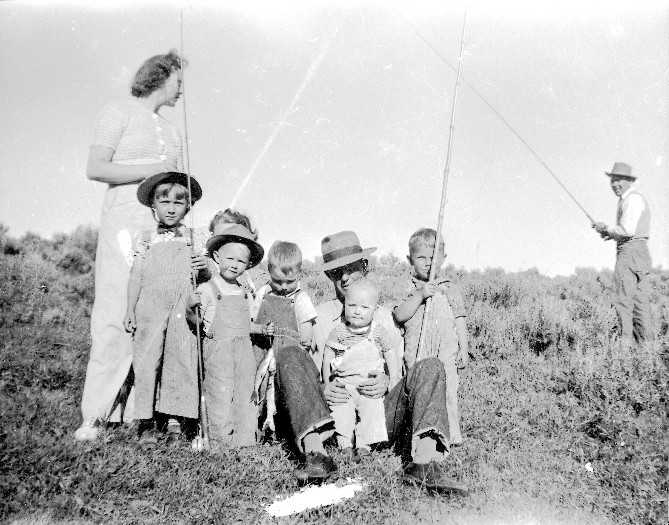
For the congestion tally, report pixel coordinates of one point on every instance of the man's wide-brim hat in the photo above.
(240, 234)
(340, 249)
(148, 185)
(620, 169)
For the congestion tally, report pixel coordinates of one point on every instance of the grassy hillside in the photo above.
(560, 427)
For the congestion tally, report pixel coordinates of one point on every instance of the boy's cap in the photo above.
(340, 249)
(620, 169)
(147, 186)
(237, 233)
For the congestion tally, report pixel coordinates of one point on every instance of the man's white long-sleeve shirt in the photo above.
(630, 208)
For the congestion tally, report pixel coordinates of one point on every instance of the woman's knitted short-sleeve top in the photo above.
(137, 135)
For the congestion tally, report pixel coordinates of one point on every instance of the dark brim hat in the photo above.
(148, 185)
(620, 169)
(240, 234)
(340, 249)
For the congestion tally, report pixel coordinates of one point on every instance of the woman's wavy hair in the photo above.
(154, 72)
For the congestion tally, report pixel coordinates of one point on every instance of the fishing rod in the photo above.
(204, 422)
(422, 352)
(506, 123)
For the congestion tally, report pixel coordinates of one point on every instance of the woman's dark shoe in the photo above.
(317, 467)
(431, 476)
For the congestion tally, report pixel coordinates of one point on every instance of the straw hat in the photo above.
(240, 234)
(620, 169)
(146, 187)
(340, 249)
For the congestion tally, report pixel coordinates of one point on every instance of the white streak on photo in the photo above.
(314, 497)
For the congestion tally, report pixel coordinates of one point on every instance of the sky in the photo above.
(317, 118)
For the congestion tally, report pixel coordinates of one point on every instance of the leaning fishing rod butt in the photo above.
(200, 444)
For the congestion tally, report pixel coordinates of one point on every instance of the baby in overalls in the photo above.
(282, 305)
(222, 221)
(229, 362)
(159, 292)
(353, 349)
(445, 326)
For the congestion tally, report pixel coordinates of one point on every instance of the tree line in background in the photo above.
(504, 309)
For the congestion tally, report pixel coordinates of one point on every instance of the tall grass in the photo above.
(561, 427)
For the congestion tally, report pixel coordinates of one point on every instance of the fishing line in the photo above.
(492, 108)
(282, 122)
(204, 423)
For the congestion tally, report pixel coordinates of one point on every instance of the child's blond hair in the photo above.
(425, 237)
(365, 284)
(166, 188)
(284, 256)
(232, 217)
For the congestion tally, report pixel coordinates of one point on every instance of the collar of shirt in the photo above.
(622, 197)
(222, 287)
(336, 308)
(291, 294)
(365, 332)
(440, 279)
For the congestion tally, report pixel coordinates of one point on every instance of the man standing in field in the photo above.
(633, 259)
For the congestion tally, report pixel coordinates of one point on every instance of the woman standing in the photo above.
(131, 141)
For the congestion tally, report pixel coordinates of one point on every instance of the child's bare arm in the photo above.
(307, 334)
(406, 310)
(463, 342)
(393, 368)
(328, 356)
(101, 168)
(134, 289)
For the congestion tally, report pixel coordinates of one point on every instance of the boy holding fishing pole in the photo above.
(445, 327)
(159, 293)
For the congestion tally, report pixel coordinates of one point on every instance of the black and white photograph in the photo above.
(216, 213)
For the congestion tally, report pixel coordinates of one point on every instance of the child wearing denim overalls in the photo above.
(352, 350)
(229, 362)
(159, 292)
(445, 326)
(282, 304)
